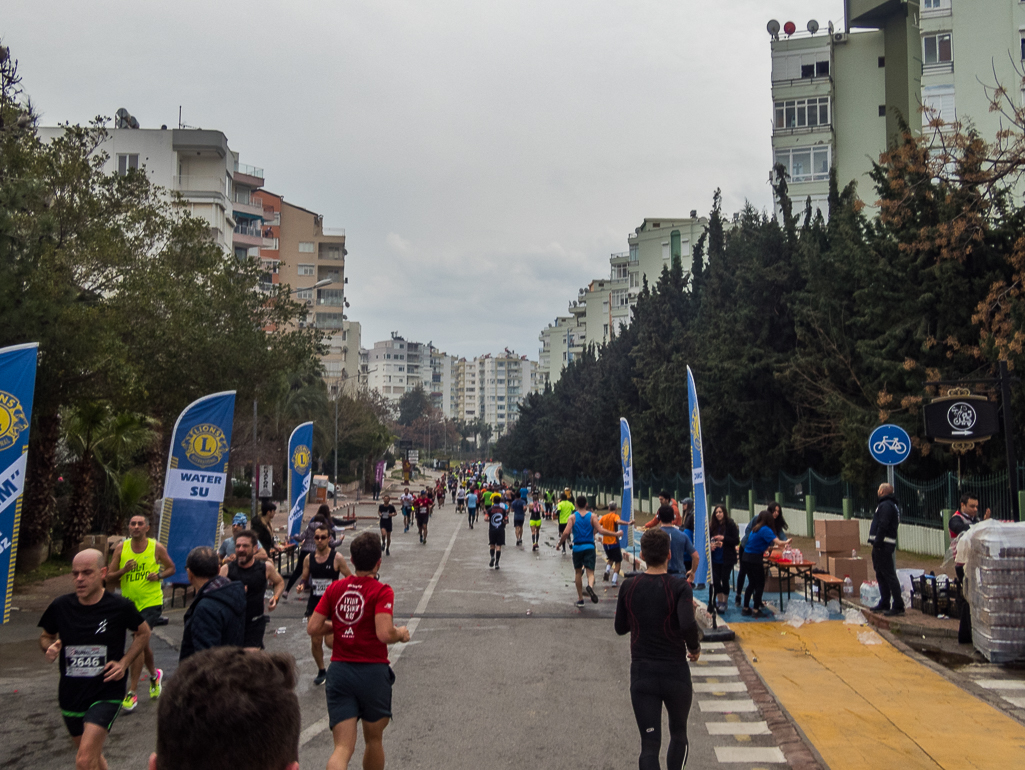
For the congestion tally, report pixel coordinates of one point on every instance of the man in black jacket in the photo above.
(883, 537)
(216, 617)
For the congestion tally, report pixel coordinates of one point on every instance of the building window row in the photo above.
(937, 49)
(802, 113)
(805, 164)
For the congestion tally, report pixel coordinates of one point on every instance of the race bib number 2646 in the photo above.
(85, 660)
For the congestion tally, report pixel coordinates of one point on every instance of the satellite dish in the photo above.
(121, 118)
(790, 28)
(813, 26)
(773, 28)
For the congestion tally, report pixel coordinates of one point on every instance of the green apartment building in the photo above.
(838, 95)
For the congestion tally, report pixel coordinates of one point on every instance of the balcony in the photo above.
(243, 168)
(271, 217)
(206, 184)
(270, 244)
(243, 204)
(247, 235)
(334, 231)
(327, 276)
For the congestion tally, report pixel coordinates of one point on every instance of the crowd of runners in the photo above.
(349, 611)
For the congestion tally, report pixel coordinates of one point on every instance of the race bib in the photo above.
(85, 660)
(320, 585)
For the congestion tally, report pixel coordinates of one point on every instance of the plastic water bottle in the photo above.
(870, 593)
(848, 587)
(854, 553)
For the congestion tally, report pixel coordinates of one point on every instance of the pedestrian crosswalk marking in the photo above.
(715, 658)
(737, 728)
(1000, 684)
(735, 706)
(713, 646)
(715, 671)
(719, 687)
(1018, 702)
(746, 755)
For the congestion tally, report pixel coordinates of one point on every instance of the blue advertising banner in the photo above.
(300, 471)
(197, 476)
(17, 387)
(703, 574)
(626, 454)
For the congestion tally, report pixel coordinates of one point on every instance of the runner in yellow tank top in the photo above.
(141, 563)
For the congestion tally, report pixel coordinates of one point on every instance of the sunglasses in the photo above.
(320, 537)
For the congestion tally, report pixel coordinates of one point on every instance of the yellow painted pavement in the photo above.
(871, 706)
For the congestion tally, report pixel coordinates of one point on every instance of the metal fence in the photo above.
(921, 502)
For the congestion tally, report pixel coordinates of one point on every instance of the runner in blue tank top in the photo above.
(583, 525)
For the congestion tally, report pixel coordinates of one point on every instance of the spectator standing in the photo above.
(217, 616)
(663, 636)
(761, 538)
(964, 518)
(724, 537)
(357, 613)
(883, 537)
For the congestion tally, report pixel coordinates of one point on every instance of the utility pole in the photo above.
(336, 444)
(1012, 460)
(256, 463)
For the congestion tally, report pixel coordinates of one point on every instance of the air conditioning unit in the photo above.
(309, 303)
(839, 37)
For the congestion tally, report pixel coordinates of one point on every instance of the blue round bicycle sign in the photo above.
(889, 445)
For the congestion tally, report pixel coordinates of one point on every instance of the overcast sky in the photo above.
(485, 158)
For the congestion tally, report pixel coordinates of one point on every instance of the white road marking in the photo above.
(738, 728)
(321, 725)
(727, 706)
(1018, 702)
(716, 658)
(719, 687)
(713, 646)
(1000, 684)
(714, 670)
(738, 754)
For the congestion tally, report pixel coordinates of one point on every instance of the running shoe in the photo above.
(746, 611)
(615, 578)
(592, 594)
(497, 566)
(387, 551)
(154, 684)
(130, 701)
(492, 562)
(580, 602)
(605, 577)
(320, 678)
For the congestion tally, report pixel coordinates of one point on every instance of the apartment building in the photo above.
(561, 342)
(199, 166)
(397, 365)
(505, 380)
(838, 95)
(444, 377)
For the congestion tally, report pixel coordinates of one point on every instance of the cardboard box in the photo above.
(837, 536)
(822, 559)
(841, 567)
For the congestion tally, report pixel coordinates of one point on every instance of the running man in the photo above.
(357, 613)
(406, 500)
(320, 570)
(423, 505)
(565, 510)
(535, 524)
(549, 503)
(254, 575)
(86, 631)
(583, 525)
(519, 509)
(498, 517)
(387, 512)
(613, 553)
(140, 567)
(471, 506)
(460, 500)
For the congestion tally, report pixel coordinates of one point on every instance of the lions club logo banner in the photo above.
(197, 476)
(17, 387)
(627, 456)
(300, 466)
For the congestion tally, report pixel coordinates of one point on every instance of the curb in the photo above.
(903, 627)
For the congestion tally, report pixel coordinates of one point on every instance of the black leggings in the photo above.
(298, 571)
(755, 581)
(741, 577)
(721, 578)
(652, 684)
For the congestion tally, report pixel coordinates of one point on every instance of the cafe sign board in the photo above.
(959, 419)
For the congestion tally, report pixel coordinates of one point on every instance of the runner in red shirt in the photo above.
(422, 506)
(357, 611)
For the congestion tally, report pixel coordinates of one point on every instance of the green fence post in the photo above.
(848, 508)
(779, 498)
(751, 504)
(809, 512)
(725, 502)
(945, 514)
(1021, 505)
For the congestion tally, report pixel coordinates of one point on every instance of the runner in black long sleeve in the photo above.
(657, 609)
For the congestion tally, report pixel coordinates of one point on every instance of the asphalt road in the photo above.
(502, 670)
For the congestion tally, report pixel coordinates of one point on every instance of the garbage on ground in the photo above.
(853, 617)
(870, 637)
(798, 613)
(282, 630)
(870, 593)
(833, 606)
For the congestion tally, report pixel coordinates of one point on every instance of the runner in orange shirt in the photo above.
(613, 553)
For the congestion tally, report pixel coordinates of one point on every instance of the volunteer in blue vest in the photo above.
(140, 563)
(583, 525)
(761, 539)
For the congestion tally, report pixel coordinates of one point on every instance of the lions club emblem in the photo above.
(205, 445)
(12, 420)
(301, 459)
(626, 452)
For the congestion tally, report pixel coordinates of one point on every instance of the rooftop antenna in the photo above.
(773, 28)
(813, 26)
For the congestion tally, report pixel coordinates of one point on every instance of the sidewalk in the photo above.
(870, 705)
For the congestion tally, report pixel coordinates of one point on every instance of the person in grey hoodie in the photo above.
(216, 617)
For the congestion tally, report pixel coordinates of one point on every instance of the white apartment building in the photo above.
(198, 165)
(444, 377)
(396, 366)
(504, 381)
(342, 362)
(561, 342)
(838, 94)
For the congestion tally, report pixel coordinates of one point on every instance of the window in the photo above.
(306, 270)
(666, 253)
(937, 49)
(501, 398)
(939, 104)
(305, 247)
(501, 381)
(304, 294)
(935, 5)
(402, 368)
(634, 252)
(126, 163)
(805, 164)
(789, 65)
(802, 113)
(620, 272)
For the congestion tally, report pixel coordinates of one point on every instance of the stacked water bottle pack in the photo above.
(995, 574)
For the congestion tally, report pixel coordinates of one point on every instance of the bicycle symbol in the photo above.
(893, 444)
